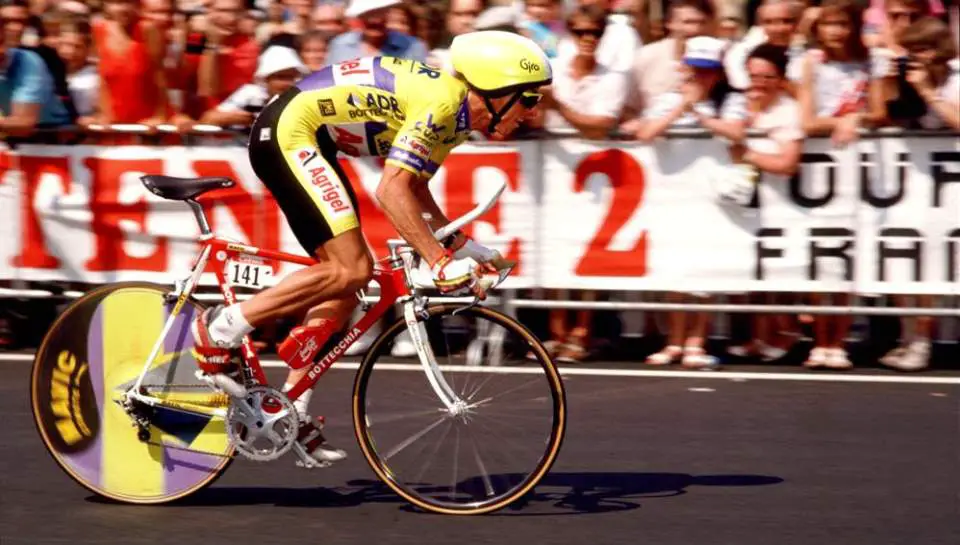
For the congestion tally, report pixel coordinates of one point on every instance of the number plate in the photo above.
(248, 275)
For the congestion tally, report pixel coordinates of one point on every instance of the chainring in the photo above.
(264, 425)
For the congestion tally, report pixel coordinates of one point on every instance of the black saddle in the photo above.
(183, 189)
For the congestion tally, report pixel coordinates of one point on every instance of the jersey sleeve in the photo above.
(424, 140)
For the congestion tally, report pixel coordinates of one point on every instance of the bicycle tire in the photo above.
(381, 346)
(83, 453)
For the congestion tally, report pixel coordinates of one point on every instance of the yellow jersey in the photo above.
(406, 111)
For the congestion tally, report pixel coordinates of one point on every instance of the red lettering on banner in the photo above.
(34, 253)
(628, 183)
(377, 229)
(459, 190)
(109, 212)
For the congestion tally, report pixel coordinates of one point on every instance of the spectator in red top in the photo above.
(134, 86)
(229, 58)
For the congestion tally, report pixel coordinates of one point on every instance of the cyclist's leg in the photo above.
(346, 269)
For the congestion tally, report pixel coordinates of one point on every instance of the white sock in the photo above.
(229, 327)
(302, 403)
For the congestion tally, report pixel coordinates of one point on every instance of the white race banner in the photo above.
(881, 216)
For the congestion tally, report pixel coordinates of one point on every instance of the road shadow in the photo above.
(556, 494)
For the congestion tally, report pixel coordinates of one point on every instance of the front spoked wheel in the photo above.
(499, 440)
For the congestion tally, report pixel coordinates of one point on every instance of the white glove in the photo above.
(736, 184)
(457, 277)
(477, 252)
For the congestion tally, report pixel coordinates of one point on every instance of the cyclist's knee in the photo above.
(355, 276)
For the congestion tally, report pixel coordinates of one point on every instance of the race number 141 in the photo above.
(249, 275)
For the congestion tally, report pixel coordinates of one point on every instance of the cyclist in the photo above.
(410, 113)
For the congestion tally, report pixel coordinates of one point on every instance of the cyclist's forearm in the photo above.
(398, 199)
(429, 205)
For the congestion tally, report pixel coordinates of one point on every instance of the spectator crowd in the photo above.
(630, 68)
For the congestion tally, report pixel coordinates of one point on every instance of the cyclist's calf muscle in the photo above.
(345, 266)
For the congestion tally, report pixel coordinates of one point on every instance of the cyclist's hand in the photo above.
(489, 259)
(457, 277)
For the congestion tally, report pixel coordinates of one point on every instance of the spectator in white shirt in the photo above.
(585, 94)
(619, 44)
(833, 96)
(657, 68)
(779, 22)
(82, 78)
(772, 111)
(837, 94)
(278, 69)
(704, 100)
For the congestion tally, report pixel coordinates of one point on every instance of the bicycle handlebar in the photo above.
(470, 216)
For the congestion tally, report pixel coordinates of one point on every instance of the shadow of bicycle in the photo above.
(557, 493)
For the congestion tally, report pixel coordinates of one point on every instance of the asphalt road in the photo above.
(656, 460)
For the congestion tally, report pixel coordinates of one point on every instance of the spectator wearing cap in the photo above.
(130, 50)
(707, 101)
(461, 19)
(779, 25)
(374, 38)
(27, 94)
(619, 44)
(278, 69)
(329, 18)
(658, 67)
(229, 58)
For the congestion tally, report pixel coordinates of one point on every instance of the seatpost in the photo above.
(201, 217)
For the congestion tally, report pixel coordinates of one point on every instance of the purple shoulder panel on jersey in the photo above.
(407, 158)
(321, 79)
(383, 78)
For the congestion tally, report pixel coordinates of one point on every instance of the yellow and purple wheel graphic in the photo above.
(92, 354)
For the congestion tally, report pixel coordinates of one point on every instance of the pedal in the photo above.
(305, 461)
(223, 383)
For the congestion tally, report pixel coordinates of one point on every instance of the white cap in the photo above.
(277, 59)
(359, 7)
(704, 52)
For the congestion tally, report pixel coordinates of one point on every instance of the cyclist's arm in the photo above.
(429, 205)
(397, 194)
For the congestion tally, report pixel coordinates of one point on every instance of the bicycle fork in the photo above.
(418, 334)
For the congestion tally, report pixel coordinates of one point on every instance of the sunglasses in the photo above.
(529, 99)
(581, 32)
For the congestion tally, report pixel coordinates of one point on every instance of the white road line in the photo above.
(736, 376)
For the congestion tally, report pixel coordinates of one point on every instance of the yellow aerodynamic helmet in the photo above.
(497, 63)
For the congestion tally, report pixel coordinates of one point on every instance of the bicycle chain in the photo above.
(221, 400)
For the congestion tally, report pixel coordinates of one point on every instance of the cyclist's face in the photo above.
(510, 120)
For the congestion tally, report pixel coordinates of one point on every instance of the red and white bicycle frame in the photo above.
(394, 275)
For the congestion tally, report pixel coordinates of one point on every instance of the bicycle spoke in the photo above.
(409, 440)
(428, 459)
(456, 463)
(404, 416)
(511, 390)
(484, 474)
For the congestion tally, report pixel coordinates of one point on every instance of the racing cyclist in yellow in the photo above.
(409, 113)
